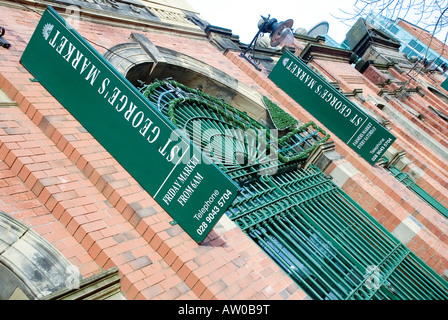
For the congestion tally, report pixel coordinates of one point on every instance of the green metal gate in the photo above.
(330, 246)
(316, 233)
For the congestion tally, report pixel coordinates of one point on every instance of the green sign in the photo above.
(362, 133)
(192, 189)
(445, 85)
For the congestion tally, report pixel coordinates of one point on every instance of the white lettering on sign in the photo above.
(356, 119)
(178, 190)
(134, 115)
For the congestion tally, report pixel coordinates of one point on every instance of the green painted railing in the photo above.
(239, 145)
(405, 179)
(316, 233)
(330, 246)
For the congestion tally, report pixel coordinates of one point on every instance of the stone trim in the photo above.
(147, 62)
(40, 268)
(103, 286)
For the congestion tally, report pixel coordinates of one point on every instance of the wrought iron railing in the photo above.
(330, 246)
(406, 180)
(325, 241)
(239, 145)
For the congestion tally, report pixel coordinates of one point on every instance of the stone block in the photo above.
(342, 173)
(407, 229)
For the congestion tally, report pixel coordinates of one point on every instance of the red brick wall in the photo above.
(374, 75)
(109, 218)
(20, 203)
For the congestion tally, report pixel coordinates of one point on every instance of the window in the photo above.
(419, 48)
(394, 29)
(412, 43)
(409, 52)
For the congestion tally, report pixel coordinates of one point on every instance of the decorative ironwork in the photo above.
(241, 146)
(327, 243)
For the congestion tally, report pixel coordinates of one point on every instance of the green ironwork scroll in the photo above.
(316, 233)
(239, 145)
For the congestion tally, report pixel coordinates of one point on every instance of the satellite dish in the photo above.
(321, 29)
(282, 33)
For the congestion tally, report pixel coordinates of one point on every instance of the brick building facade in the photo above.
(63, 190)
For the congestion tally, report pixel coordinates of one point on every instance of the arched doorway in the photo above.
(141, 61)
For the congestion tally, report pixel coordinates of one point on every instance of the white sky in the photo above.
(242, 16)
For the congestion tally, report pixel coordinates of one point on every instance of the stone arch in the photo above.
(30, 267)
(141, 60)
(130, 60)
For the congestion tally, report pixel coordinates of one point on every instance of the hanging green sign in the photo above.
(347, 121)
(190, 187)
(445, 85)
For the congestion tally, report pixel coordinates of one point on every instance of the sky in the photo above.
(242, 16)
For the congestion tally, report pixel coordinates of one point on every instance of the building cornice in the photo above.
(324, 52)
(132, 14)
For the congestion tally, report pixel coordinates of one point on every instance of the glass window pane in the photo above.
(394, 29)
(419, 48)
